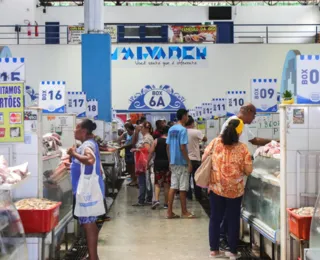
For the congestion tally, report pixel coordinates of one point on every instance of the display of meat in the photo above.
(34, 203)
(271, 149)
(12, 175)
(51, 143)
(307, 211)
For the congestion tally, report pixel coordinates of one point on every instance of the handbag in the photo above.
(89, 197)
(202, 175)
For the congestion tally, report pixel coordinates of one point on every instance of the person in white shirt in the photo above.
(247, 114)
(195, 136)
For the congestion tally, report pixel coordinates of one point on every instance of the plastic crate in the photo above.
(299, 225)
(40, 221)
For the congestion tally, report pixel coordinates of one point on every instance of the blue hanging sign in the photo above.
(156, 98)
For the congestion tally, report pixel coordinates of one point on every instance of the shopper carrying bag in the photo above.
(87, 183)
(202, 175)
(89, 198)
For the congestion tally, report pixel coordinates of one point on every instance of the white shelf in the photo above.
(7, 186)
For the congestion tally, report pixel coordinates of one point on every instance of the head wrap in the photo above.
(239, 128)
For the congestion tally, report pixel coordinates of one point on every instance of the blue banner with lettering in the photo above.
(154, 98)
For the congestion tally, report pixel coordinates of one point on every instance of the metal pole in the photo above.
(267, 34)
(317, 37)
(283, 183)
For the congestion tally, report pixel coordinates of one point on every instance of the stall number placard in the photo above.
(235, 100)
(264, 95)
(77, 103)
(11, 112)
(308, 79)
(12, 69)
(192, 112)
(198, 110)
(52, 96)
(92, 108)
(206, 110)
(219, 107)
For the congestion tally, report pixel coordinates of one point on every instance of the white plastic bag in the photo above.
(89, 198)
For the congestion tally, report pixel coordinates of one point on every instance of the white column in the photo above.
(94, 16)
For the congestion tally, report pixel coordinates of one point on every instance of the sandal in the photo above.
(220, 255)
(191, 216)
(174, 216)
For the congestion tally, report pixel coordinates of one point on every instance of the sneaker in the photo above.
(138, 205)
(148, 203)
(165, 206)
(155, 204)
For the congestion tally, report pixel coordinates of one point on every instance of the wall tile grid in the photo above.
(302, 135)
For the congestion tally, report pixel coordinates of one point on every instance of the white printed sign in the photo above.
(235, 100)
(77, 103)
(308, 79)
(198, 111)
(192, 112)
(92, 108)
(206, 110)
(52, 96)
(219, 107)
(12, 69)
(264, 95)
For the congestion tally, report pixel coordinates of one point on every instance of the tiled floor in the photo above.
(144, 234)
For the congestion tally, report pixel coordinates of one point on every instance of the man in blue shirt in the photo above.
(180, 164)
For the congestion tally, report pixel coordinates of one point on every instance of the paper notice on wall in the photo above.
(75, 32)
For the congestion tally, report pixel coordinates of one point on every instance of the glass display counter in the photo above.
(57, 184)
(12, 239)
(313, 253)
(261, 202)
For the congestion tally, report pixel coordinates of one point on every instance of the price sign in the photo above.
(264, 94)
(52, 96)
(92, 108)
(77, 103)
(308, 79)
(219, 107)
(235, 100)
(12, 69)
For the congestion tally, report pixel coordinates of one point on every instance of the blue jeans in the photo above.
(230, 208)
(143, 192)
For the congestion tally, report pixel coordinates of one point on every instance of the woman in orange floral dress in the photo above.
(231, 161)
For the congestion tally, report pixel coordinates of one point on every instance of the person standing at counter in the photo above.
(88, 155)
(231, 161)
(142, 151)
(247, 114)
(195, 136)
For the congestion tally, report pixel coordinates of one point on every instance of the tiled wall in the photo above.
(302, 135)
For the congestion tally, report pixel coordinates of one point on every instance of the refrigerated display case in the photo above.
(12, 239)
(313, 253)
(261, 202)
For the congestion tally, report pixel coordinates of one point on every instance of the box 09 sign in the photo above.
(264, 94)
(52, 96)
(12, 112)
(308, 79)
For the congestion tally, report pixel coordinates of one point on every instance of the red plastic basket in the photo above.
(299, 225)
(40, 221)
